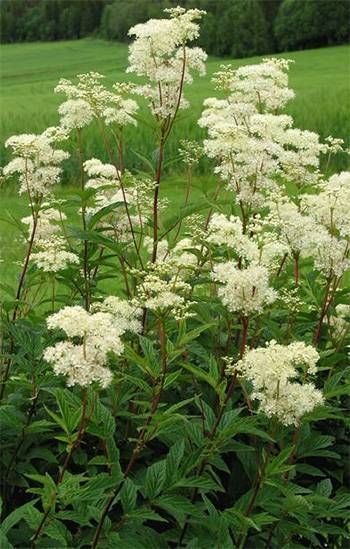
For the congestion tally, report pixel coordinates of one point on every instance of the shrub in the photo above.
(178, 378)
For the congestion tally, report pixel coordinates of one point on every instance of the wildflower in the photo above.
(264, 84)
(52, 255)
(330, 206)
(37, 163)
(270, 370)
(340, 321)
(164, 293)
(89, 99)
(92, 337)
(190, 152)
(243, 290)
(160, 53)
(228, 231)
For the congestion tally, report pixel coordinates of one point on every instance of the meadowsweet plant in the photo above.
(176, 375)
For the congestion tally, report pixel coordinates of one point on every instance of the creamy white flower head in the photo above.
(74, 362)
(296, 231)
(340, 321)
(190, 152)
(52, 256)
(127, 314)
(95, 168)
(160, 53)
(163, 293)
(89, 99)
(47, 223)
(330, 206)
(37, 163)
(243, 290)
(290, 402)
(330, 254)
(228, 231)
(75, 113)
(162, 249)
(264, 84)
(95, 336)
(183, 256)
(270, 370)
(333, 145)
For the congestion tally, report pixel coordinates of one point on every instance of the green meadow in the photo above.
(29, 73)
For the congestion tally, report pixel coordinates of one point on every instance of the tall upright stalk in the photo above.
(86, 272)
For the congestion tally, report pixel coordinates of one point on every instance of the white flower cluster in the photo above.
(244, 290)
(50, 253)
(330, 206)
(160, 53)
(89, 99)
(126, 313)
(270, 369)
(104, 178)
(340, 322)
(228, 231)
(106, 181)
(252, 144)
(180, 260)
(36, 162)
(190, 152)
(265, 84)
(92, 337)
(316, 229)
(164, 293)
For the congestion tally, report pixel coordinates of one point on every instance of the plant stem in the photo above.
(87, 295)
(120, 179)
(296, 268)
(325, 306)
(156, 195)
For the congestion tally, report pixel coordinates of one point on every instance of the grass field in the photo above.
(29, 72)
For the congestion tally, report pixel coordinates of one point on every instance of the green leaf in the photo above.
(13, 518)
(173, 461)
(96, 487)
(9, 418)
(193, 334)
(278, 465)
(203, 482)
(4, 542)
(128, 495)
(155, 479)
(201, 375)
(179, 507)
(102, 422)
(324, 487)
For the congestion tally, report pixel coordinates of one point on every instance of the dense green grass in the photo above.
(31, 71)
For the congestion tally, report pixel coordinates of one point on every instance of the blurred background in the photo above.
(235, 28)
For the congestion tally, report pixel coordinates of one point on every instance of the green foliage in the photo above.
(173, 451)
(33, 20)
(312, 23)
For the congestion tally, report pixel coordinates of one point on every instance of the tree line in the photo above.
(236, 28)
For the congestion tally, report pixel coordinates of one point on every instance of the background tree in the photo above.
(303, 24)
